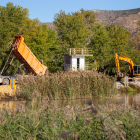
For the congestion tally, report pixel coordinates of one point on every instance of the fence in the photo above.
(80, 51)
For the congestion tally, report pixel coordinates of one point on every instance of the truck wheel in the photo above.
(6, 82)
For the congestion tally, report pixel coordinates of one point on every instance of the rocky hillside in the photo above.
(128, 18)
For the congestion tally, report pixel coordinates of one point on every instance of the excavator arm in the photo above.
(125, 59)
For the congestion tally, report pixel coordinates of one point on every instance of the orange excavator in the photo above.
(134, 70)
(26, 58)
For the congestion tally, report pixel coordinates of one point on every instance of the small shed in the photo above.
(75, 59)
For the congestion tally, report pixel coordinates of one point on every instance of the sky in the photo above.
(45, 10)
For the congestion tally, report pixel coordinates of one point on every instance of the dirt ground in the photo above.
(118, 85)
(137, 83)
(5, 90)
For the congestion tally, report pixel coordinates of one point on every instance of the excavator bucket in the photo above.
(26, 57)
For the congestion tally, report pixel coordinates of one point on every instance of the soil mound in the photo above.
(6, 91)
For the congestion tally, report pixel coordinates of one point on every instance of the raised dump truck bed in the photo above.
(26, 57)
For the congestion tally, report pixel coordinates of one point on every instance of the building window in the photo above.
(67, 60)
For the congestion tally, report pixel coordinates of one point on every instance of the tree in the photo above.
(88, 17)
(119, 38)
(14, 20)
(105, 42)
(100, 43)
(73, 29)
(41, 40)
(45, 46)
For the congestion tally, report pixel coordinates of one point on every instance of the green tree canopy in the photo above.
(14, 20)
(45, 46)
(119, 38)
(42, 41)
(88, 17)
(73, 29)
(105, 42)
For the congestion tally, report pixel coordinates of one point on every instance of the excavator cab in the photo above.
(136, 70)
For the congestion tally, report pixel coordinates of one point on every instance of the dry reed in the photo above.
(69, 84)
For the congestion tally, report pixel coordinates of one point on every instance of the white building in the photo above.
(75, 59)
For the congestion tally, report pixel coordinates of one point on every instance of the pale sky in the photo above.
(45, 10)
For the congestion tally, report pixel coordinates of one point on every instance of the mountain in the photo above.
(49, 24)
(127, 18)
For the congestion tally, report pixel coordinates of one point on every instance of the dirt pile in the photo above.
(6, 91)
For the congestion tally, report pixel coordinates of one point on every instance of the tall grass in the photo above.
(47, 121)
(68, 85)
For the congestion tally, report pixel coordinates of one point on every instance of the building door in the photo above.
(78, 63)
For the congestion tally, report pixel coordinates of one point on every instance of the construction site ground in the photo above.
(119, 84)
(6, 91)
(136, 83)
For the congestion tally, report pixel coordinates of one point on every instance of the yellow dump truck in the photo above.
(26, 58)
